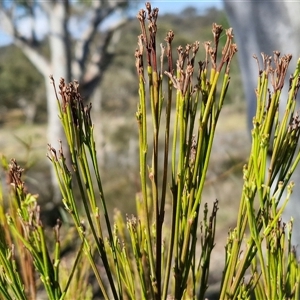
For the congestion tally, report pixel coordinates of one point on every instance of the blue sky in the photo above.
(169, 6)
(166, 6)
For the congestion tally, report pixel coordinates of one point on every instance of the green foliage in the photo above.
(164, 251)
(275, 274)
(22, 87)
(14, 84)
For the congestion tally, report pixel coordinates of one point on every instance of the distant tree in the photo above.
(17, 91)
(189, 12)
(73, 52)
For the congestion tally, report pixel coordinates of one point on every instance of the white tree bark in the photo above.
(266, 26)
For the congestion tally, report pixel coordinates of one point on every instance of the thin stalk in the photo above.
(91, 260)
(142, 119)
(76, 124)
(72, 272)
(65, 181)
(96, 238)
(86, 176)
(154, 174)
(12, 275)
(90, 143)
(180, 182)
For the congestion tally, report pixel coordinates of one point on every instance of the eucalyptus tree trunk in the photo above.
(267, 26)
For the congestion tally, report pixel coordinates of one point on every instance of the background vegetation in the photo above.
(22, 93)
(14, 65)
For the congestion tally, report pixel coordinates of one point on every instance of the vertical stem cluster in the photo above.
(27, 246)
(197, 109)
(77, 124)
(270, 272)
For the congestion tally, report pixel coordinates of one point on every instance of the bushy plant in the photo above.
(164, 251)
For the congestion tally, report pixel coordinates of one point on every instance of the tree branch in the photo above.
(24, 44)
(46, 6)
(38, 60)
(100, 60)
(101, 11)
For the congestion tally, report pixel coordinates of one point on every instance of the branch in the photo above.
(101, 10)
(38, 60)
(24, 44)
(30, 14)
(46, 6)
(100, 60)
